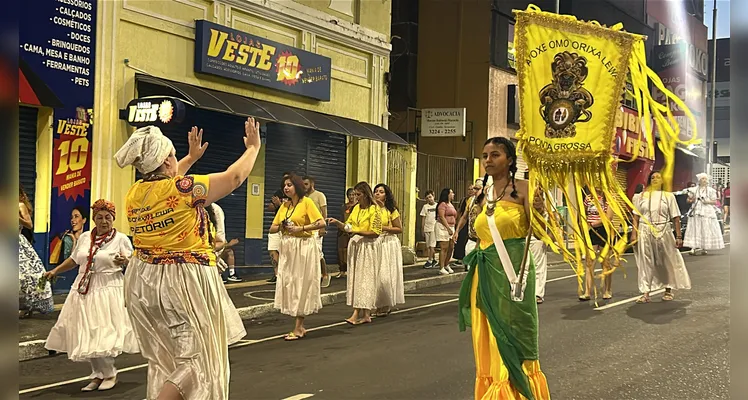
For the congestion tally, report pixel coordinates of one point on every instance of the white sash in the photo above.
(517, 293)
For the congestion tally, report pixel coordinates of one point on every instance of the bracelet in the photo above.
(303, 228)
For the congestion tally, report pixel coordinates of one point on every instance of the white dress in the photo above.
(297, 292)
(96, 324)
(703, 231)
(659, 262)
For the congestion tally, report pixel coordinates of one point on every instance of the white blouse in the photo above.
(104, 258)
(658, 206)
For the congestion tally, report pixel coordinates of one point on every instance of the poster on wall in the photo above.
(56, 69)
(233, 54)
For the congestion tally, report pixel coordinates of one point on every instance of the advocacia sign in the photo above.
(443, 122)
(233, 54)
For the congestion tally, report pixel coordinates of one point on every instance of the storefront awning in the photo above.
(230, 103)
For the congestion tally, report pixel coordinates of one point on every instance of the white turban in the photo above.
(702, 175)
(146, 150)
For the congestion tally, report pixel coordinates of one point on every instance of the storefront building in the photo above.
(311, 72)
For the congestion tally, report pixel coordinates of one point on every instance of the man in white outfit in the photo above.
(320, 200)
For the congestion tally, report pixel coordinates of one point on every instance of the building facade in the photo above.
(150, 52)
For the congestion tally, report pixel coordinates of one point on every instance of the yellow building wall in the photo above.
(43, 191)
(157, 37)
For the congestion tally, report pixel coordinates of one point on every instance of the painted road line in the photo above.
(629, 300)
(560, 278)
(241, 343)
(300, 396)
(432, 295)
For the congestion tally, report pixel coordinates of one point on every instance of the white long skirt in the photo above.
(364, 255)
(297, 292)
(94, 325)
(184, 324)
(659, 262)
(540, 259)
(702, 232)
(390, 285)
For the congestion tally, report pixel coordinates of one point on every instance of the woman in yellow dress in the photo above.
(390, 284)
(297, 291)
(174, 293)
(365, 225)
(504, 328)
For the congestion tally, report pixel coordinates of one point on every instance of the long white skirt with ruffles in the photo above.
(364, 256)
(390, 286)
(297, 291)
(94, 325)
(185, 322)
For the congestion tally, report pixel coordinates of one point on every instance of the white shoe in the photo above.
(443, 272)
(450, 270)
(91, 386)
(108, 384)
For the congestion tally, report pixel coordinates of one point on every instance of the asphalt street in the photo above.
(621, 350)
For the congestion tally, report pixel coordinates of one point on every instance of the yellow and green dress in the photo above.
(505, 332)
(364, 254)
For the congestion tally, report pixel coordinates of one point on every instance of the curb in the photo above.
(34, 349)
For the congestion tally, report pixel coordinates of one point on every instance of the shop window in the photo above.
(502, 40)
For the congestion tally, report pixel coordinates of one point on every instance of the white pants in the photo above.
(102, 368)
(537, 248)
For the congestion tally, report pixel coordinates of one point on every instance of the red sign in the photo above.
(625, 142)
(71, 161)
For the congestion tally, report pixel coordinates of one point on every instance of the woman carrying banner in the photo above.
(93, 325)
(658, 259)
(172, 287)
(504, 326)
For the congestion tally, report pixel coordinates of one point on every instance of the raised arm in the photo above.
(24, 217)
(197, 149)
(223, 183)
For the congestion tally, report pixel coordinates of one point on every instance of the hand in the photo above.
(294, 229)
(233, 242)
(678, 243)
(49, 275)
(323, 232)
(251, 133)
(276, 201)
(455, 236)
(632, 237)
(334, 221)
(195, 140)
(120, 260)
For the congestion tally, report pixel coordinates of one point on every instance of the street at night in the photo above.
(621, 351)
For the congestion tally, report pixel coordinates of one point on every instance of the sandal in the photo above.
(585, 298)
(668, 296)
(642, 300)
(539, 300)
(292, 336)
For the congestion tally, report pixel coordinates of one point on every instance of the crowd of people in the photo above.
(153, 309)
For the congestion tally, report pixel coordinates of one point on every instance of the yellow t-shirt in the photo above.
(302, 214)
(387, 216)
(368, 219)
(168, 222)
(511, 222)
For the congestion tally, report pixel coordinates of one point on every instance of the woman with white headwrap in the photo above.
(173, 290)
(703, 232)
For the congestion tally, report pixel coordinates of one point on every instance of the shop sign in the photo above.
(154, 111)
(628, 130)
(233, 54)
(56, 69)
(443, 122)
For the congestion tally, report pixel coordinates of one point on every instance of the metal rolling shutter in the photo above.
(224, 134)
(326, 163)
(27, 117)
(305, 152)
(622, 179)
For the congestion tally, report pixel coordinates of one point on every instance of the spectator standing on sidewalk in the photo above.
(726, 204)
(391, 288)
(461, 233)
(274, 239)
(343, 236)
(297, 292)
(30, 267)
(93, 325)
(428, 224)
(467, 220)
(320, 200)
(365, 225)
(223, 248)
(446, 220)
